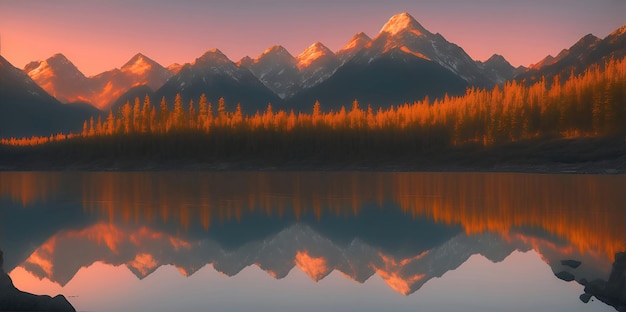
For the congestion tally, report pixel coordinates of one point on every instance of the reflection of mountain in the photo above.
(406, 228)
(143, 251)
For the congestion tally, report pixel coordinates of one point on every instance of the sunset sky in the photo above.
(100, 35)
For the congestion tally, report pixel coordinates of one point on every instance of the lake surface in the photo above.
(271, 241)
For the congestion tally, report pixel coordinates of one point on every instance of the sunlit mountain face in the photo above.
(60, 78)
(403, 228)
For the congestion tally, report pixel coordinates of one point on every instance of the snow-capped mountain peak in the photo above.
(313, 53)
(497, 59)
(403, 22)
(55, 63)
(212, 57)
(139, 64)
(274, 50)
(356, 44)
(620, 31)
(245, 61)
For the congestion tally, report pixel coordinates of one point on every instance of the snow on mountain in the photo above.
(216, 76)
(214, 61)
(316, 63)
(404, 22)
(497, 68)
(402, 34)
(27, 109)
(356, 44)
(60, 78)
(174, 68)
(276, 68)
(141, 70)
(311, 54)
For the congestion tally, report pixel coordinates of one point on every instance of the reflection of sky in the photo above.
(522, 282)
(434, 220)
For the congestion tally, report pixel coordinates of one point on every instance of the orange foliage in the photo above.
(589, 104)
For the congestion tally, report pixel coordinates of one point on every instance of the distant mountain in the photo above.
(585, 52)
(277, 69)
(58, 76)
(498, 69)
(403, 63)
(26, 109)
(214, 75)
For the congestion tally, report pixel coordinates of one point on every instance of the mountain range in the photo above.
(587, 51)
(403, 63)
(145, 250)
(27, 109)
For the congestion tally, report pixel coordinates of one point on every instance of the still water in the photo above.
(271, 241)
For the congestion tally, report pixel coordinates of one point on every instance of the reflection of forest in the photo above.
(587, 211)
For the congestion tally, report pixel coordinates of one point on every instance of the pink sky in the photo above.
(100, 35)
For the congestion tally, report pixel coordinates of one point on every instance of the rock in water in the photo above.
(585, 297)
(566, 276)
(613, 291)
(12, 299)
(571, 263)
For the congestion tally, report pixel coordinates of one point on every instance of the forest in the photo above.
(589, 105)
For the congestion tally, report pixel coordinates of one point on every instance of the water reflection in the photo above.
(405, 228)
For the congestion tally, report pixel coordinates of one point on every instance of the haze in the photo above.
(101, 35)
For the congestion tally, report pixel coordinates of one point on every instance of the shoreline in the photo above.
(543, 155)
(605, 168)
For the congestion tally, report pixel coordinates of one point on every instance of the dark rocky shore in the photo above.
(545, 155)
(611, 291)
(12, 299)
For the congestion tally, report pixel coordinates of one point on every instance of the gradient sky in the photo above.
(101, 35)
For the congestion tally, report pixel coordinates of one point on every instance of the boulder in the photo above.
(571, 263)
(12, 299)
(566, 276)
(613, 291)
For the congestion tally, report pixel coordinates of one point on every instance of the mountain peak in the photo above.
(211, 56)
(357, 41)
(245, 61)
(586, 41)
(58, 57)
(619, 31)
(56, 63)
(314, 52)
(139, 64)
(497, 59)
(361, 36)
(403, 22)
(277, 49)
(274, 52)
(139, 57)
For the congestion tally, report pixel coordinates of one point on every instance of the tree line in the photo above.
(590, 104)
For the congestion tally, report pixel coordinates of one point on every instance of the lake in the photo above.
(288, 241)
